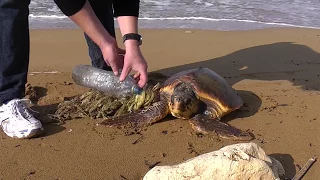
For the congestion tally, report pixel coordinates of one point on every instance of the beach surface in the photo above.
(276, 71)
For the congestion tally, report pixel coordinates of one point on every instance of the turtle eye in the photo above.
(175, 99)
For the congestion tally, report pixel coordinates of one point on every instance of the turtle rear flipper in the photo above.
(206, 125)
(152, 114)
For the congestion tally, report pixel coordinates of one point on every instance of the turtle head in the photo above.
(183, 102)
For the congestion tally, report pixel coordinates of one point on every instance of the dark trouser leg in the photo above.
(14, 48)
(104, 12)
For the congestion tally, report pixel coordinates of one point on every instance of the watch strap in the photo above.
(133, 36)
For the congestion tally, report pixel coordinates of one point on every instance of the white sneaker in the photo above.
(16, 120)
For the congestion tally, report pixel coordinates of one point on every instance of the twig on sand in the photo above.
(304, 169)
(137, 140)
(43, 72)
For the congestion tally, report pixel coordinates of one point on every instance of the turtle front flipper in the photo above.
(205, 124)
(148, 116)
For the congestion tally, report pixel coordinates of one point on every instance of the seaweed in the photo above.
(95, 104)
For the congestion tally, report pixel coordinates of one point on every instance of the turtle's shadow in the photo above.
(251, 105)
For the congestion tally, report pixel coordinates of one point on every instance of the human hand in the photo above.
(134, 60)
(113, 55)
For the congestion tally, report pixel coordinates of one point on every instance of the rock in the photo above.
(233, 162)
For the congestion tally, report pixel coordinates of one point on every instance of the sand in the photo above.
(276, 71)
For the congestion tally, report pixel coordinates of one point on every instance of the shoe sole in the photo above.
(33, 134)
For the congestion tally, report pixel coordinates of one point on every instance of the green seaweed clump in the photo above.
(94, 104)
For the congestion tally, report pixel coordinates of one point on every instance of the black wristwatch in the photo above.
(133, 36)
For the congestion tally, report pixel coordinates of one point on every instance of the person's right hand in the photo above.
(134, 60)
(110, 52)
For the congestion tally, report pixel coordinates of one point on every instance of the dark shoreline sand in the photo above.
(276, 71)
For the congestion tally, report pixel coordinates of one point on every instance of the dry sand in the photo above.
(276, 71)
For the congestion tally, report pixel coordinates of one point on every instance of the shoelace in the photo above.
(26, 109)
(20, 107)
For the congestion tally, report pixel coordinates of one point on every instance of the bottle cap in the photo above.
(137, 90)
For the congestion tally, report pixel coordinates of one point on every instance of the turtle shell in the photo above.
(209, 87)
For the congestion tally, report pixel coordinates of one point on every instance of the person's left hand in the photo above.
(134, 60)
(121, 53)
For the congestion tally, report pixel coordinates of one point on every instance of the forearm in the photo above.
(128, 24)
(127, 13)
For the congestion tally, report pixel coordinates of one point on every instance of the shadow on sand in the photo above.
(287, 162)
(35, 94)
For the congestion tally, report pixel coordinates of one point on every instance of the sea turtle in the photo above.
(199, 95)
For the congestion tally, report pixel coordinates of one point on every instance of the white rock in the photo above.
(234, 162)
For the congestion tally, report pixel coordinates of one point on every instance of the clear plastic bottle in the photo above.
(104, 81)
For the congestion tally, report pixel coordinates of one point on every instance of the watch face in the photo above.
(140, 41)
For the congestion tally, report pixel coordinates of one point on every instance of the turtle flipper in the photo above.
(152, 114)
(206, 125)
